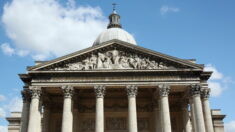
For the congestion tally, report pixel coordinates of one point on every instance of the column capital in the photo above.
(132, 90)
(25, 95)
(205, 93)
(99, 91)
(68, 91)
(163, 90)
(195, 90)
(35, 92)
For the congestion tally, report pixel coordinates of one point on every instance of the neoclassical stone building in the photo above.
(116, 86)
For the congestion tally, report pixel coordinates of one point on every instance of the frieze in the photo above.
(114, 59)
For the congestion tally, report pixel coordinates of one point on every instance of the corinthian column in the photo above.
(197, 108)
(34, 114)
(164, 106)
(206, 110)
(156, 112)
(67, 121)
(99, 123)
(132, 116)
(186, 119)
(25, 111)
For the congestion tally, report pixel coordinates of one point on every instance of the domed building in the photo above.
(116, 86)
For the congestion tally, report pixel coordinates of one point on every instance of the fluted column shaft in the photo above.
(157, 114)
(164, 106)
(186, 119)
(34, 114)
(25, 111)
(199, 119)
(194, 129)
(67, 119)
(206, 110)
(132, 114)
(99, 123)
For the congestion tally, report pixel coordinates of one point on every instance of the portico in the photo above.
(116, 86)
(111, 108)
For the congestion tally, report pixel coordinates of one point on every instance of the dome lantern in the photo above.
(114, 31)
(114, 19)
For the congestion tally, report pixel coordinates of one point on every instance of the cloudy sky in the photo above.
(45, 29)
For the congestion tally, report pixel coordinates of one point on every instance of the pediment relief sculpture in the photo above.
(114, 59)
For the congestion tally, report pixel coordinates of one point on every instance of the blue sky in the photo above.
(42, 29)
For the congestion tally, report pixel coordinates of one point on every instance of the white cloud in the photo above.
(218, 82)
(3, 128)
(2, 113)
(215, 75)
(15, 105)
(22, 53)
(45, 28)
(2, 97)
(216, 88)
(7, 49)
(167, 9)
(230, 126)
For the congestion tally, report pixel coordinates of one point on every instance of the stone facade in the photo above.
(116, 87)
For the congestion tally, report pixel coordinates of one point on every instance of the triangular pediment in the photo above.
(115, 55)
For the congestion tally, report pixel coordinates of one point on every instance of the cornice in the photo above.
(111, 43)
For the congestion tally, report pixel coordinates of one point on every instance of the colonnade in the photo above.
(199, 107)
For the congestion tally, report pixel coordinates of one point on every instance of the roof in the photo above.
(114, 33)
(113, 43)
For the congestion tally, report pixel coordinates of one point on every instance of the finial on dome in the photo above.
(114, 19)
(114, 7)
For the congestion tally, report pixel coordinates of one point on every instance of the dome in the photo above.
(114, 33)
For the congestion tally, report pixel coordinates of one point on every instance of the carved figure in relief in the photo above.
(144, 64)
(132, 63)
(87, 64)
(114, 59)
(107, 63)
(93, 61)
(137, 62)
(124, 64)
(101, 59)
